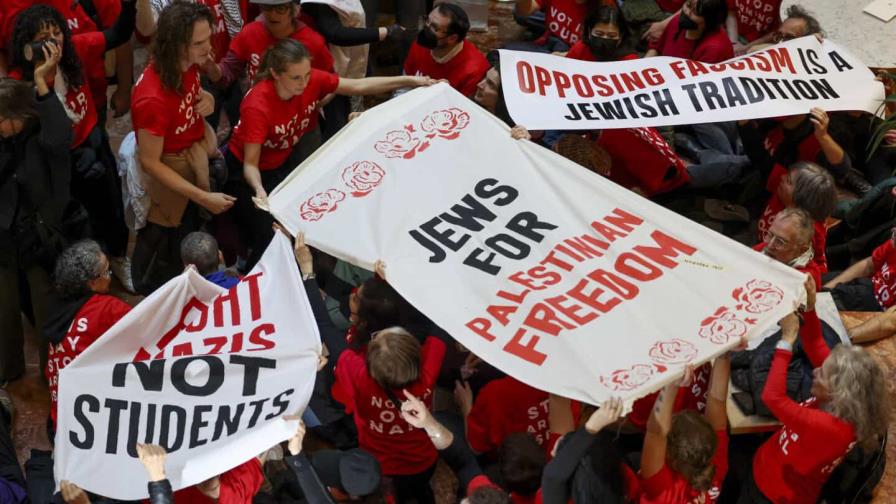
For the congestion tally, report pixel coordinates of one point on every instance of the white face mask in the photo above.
(798, 262)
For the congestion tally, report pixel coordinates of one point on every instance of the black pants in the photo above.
(856, 295)
(9, 465)
(335, 116)
(97, 186)
(226, 100)
(415, 487)
(156, 256)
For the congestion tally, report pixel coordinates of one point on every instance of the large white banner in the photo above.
(205, 372)
(553, 274)
(549, 92)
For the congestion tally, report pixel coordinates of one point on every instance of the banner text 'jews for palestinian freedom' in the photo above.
(549, 92)
(204, 372)
(553, 274)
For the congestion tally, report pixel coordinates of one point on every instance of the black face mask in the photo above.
(427, 38)
(602, 48)
(686, 23)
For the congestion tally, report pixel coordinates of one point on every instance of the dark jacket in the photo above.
(37, 214)
(160, 492)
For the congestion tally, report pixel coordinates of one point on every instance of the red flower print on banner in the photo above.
(362, 177)
(628, 379)
(400, 144)
(321, 203)
(758, 296)
(675, 351)
(445, 123)
(723, 326)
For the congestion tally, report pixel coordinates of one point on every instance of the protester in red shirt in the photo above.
(441, 51)
(693, 397)
(685, 456)
(605, 38)
(696, 33)
(869, 284)
(563, 20)
(80, 309)
(850, 407)
(789, 241)
(236, 486)
(643, 161)
(173, 140)
(755, 18)
(95, 182)
(797, 23)
(370, 381)
(275, 114)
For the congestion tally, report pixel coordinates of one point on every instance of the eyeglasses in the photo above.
(772, 239)
(279, 8)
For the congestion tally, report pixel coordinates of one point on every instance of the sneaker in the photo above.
(855, 182)
(121, 268)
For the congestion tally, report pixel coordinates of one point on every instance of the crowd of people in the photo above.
(235, 94)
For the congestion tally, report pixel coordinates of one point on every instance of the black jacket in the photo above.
(36, 210)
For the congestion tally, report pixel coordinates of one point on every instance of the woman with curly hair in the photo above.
(168, 109)
(850, 406)
(80, 308)
(95, 182)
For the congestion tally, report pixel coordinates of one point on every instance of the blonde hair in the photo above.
(393, 358)
(857, 393)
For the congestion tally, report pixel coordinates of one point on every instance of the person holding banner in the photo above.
(685, 456)
(789, 241)
(696, 33)
(274, 115)
(605, 38)
(850, 407)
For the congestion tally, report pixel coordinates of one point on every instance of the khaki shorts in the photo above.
(167, 206)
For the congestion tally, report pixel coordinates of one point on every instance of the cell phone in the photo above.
(34, 51)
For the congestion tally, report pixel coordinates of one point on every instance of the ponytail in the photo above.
(279, 56)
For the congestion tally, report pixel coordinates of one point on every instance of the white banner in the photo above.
(549, 92)
(205, 372)
(553, 274)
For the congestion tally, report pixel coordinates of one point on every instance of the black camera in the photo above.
(34, 51)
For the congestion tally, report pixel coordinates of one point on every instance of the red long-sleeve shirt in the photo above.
(793, 465)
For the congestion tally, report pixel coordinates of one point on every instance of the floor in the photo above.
(31, 397)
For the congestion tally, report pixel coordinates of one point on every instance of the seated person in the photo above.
(789, 240)
(798, 23)
(441, 51)
(605, 38)
(810, 187)
(696, 33)
(200, 249)
(562, 19)
(749, 20)
(870, 284)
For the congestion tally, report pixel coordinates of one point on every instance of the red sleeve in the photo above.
(479, 434)
(321, 58)
(717, 49)
(659, 44)
(343, 389)
(813, 344)
(241, 483)
(108, 11)
(632, 485)
(253, 124)
(879, 256)
(720, 459)
(327, 82)
(785, 409)
(90, 46)
(432, 353)
(144, 112)
(410, 63)
(238, 46)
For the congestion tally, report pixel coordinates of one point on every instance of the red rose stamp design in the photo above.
(321, 203)
(445, 123)
(675, 351)
(723, 326)
(400, 144)
(362, 177)
(628, 379)
(758, 296)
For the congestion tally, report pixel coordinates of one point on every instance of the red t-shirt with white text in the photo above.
(399, 448)
(884, 277)
(643, 159)
(95, 317)
(563, 18)
(755, 18)
(669, 487)
(254, 39)
(168, 113)
(503, 407)
(463, 71)
(237, 486)
(278, 124)
(711, 48)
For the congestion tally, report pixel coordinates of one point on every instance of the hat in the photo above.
(272, 2)
(354, 471)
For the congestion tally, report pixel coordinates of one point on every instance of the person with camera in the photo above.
(95, 182)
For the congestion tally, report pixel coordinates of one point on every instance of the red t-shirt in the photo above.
(95, 317)
(643, 159)
(688, 398)
(563, 18)
(238, 486)
(167, 113)
(399, 448)
(254, 39)
(580, 51)
(793, 465)
(884, 277)
(755, 18)
(463, 71)
(669, 487)
(276, 124)
(774, 206)
(711, 48)
(505, 406)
